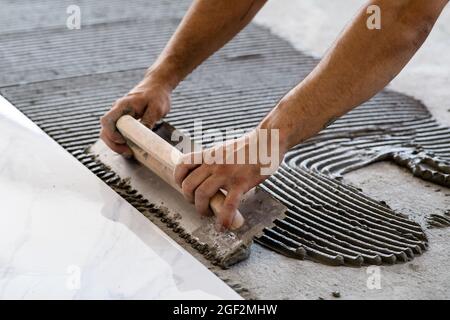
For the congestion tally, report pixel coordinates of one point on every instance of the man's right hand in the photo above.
(148, 101)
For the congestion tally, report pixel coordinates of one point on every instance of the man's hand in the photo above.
(148, 101)
(206, 27)
(227, 167)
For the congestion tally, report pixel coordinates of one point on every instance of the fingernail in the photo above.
(238, 221)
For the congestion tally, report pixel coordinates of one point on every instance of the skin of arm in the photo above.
(206, 27)
(360, 63)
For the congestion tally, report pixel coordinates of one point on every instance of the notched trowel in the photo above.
(154, 150)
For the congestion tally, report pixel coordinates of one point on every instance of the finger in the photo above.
(225, 217)
(193, 180)
(204, 193)
(122, 149)
(150, 117)
(186, 164)
(108, 121)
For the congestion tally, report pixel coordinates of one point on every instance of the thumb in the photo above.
(229, 216)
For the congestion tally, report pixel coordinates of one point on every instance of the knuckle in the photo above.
(125, 106)
(221, 170)
(117, 104)
(104, 119)
(184, 160)
(179, 169)
(108, 120)
(187, 188)
(230, 208)
(200, 193)
(238, 182)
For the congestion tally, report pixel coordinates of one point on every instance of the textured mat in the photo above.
(64, 80)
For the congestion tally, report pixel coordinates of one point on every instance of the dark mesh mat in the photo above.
(64, 80)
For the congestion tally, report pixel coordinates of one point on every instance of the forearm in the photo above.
(206, 27)
(359, 64)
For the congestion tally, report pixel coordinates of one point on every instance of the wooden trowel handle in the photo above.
(159, 156)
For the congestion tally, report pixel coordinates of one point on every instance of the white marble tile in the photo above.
(65, 234)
